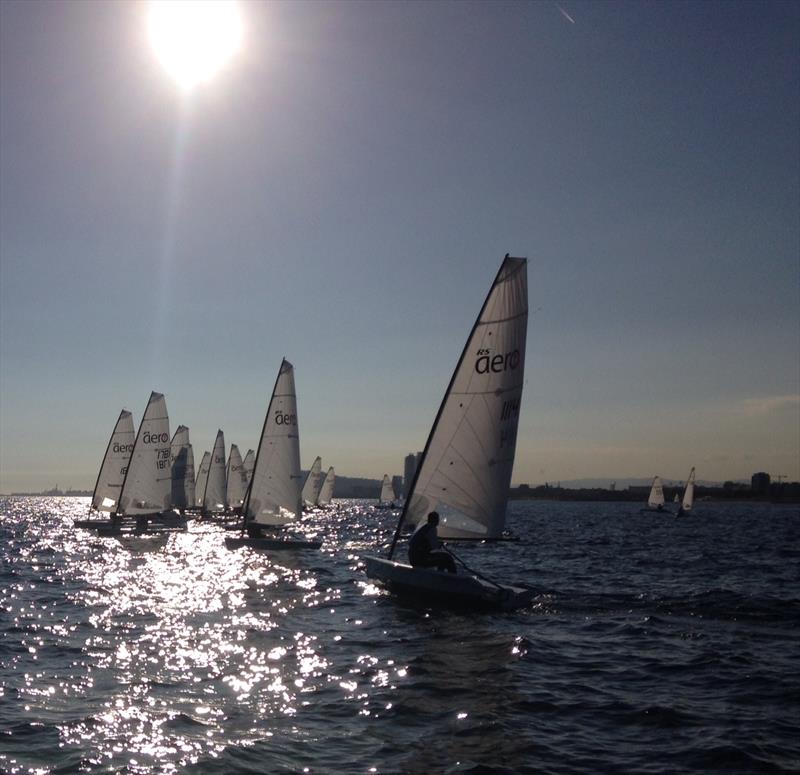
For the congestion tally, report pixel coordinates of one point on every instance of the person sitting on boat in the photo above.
(425, 549)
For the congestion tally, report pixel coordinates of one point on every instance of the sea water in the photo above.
(654, 644)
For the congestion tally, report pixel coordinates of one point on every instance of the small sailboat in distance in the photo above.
(386, 498)
(326, 492)
(200, 482)
(313, 484)
(248, 463)
(688, 496)
(273, 498)
(236, 480)
(655, 501)
(465, 469)
(112, 471)
(214, 492)
(182, 471)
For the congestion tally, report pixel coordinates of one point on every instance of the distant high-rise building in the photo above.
(409, 469)
(759, 483)
(397, 484)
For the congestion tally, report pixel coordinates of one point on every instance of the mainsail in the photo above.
(387, 492)
(115, 464)
(202, 478)
(236, 478)
(249, 462)
(182, 469)
(656, 498)
(326, 493)
(313, 484)
(214, 495)
(147, 485)
(688, 493)
(273, 497)
(465, 469)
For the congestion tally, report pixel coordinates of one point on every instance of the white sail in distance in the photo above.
(148, 481)
(115, 464)
(688, 493)
(465, 470)
(236, 479)
(313, 484)
(273, 497)
(248, 463)
(656, 497)
(182, 470)
(387, 492)
(214, 495)
(202, 478)
(326, 492)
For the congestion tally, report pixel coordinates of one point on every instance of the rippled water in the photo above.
(654, 645)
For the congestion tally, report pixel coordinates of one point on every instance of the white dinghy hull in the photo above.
(428, 585)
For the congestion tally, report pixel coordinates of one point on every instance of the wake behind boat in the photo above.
(465, 469)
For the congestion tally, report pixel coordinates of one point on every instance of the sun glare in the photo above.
(194, 39)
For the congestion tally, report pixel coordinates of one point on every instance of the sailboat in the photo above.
(313, 484)
(273, 498)
(182, 471)
(200, 482)
(236, 480)
(465, 468)
(326, 492)
(214, 492)
(112, 471)
(688, 496)
(248, 463)
(386, 498)
(655, 501)
(146, 492)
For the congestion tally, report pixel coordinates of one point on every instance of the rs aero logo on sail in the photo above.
(487, 363)
(155, 438)
(117, 448)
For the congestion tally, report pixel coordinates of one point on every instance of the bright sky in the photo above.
(342, 193)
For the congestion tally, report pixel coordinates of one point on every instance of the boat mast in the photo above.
(441, 409)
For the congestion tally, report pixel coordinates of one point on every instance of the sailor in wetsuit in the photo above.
(425, 548)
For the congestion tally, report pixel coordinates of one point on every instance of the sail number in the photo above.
(163, 458)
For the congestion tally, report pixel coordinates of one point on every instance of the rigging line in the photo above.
(471, 570)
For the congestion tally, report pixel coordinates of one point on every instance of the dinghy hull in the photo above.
(427, 585)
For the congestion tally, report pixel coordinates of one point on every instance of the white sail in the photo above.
(688, 493)
(326, 492)
(656, 498)
(465, 469)
(115, 464)
(148, 482)
(273, 497)
(237, 479)
(214, 495)
(248, 463)
(387, 492)
(313, 484)
(202, 478)
(182, 471)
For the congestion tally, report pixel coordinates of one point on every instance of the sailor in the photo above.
(425, 549)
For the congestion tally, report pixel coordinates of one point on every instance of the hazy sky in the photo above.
(343, 194)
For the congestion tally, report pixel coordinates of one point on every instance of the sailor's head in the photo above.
(433, 518)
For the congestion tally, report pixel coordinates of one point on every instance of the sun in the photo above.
(194, 39)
